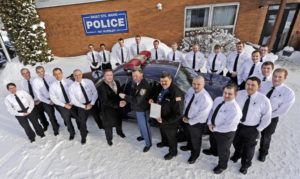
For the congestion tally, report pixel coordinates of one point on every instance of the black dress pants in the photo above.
(67, 115)
(109, 132)
(168, 133)
(41, 114)
(266, 135)
(196, 132)
(83, 114)
(49, 109)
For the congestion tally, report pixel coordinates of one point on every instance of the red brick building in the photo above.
(250, 20)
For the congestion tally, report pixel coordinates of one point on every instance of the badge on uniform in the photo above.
(142, 92)
(178, 98)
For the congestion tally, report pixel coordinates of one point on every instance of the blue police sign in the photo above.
(105, 23)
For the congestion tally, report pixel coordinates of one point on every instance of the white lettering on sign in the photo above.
(89, 24)
(121, 22)
(105, 24)
(114, 23)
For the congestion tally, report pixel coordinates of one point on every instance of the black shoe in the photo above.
(234, 158)
(83, 141)
(262, 158)
(71, 137)
(218, 170)
(169, 156)
(43, 135)
(45, 128)
(56, 133)
(140, 138)
(243, 170)
(109, 143)
(161, 144)
(192, 159)
(209, 152)
(32, 140)
(121, 134)
(146, 149)
(185, 148)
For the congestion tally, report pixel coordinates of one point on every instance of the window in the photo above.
(222, 15)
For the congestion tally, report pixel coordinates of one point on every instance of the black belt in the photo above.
(243, 125)
(26, 109)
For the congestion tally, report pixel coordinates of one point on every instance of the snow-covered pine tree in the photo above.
(207, 38)
(25, 30)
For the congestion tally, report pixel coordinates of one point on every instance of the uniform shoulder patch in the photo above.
(178, 98)
(142, 92)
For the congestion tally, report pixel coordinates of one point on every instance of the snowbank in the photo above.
(293, 58)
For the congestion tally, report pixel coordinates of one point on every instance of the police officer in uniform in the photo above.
(157, 53)
(171, 100)
(21, 105)
(194, 59)
(105, 57)
(222, 122)
(140, 95)
(93, 58)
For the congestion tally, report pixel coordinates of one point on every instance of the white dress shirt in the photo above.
(188, 61)
(56, 94)
(281, 99)
(126, 55)
(40, 88)
(228, 116)
(243, 72)
(243, 57)
(178, 56)
(200, 106)
(13, 106)
(267, 58)
(96, 58)
(24, 86)
(76, 94)
(107, 56)
(161, 55)
(259, 110)
(220, 62)
(133, 49)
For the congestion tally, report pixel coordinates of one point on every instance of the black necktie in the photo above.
(64, 93)
(93, 58)
(214, 63)
(213, 118)
(104, 56)
(137, 49)
(84, 94)
(194, 61)
(236, 62)
(20, 104)
(264, 79)
(156, 56)
(122, 55)
(269, 94)
(245, 109)
(30, 89)
(46, 84)
(186, 113)
(261, 60)
(251, 70)
(173, 56)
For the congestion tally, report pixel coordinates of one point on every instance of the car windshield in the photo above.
(184, 78)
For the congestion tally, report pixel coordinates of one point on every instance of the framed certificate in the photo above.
(155, 110)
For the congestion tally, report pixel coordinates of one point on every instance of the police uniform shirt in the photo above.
(267, 58)
(96, 59)
(133, 49)
(281, 99)
(178, 56)
(56, 94)
(228, 116)
(13, 106)
(160, 54)
(259, 110)
(107, 57)
(188, 61)
(243, 57)
(243, 72)
(126, 55)
(200, 106)
(24, 86)
(40, 88)
(220, 62)
(76, 94)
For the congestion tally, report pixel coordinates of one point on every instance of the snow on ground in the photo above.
(57, 157)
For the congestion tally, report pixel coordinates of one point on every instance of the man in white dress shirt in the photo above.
(198, 104)
(235, 61)
(175, 55)
(27, 85)
(93, 58)
(216, 62)
(41, 85)
(122, 53)
(157, 53)
(83, 94)
(105, 57)
(266, 72)
(282, 98)
(137, 47)
(21, 105)
(59, 94)
(264, 50)
(256, 109)
(249, 68)
(222, 122)
(194, 59)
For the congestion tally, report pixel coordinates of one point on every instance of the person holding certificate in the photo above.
(171, 100)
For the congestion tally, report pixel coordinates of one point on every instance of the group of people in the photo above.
(250, 105)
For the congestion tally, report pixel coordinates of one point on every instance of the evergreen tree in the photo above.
(25, 30)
